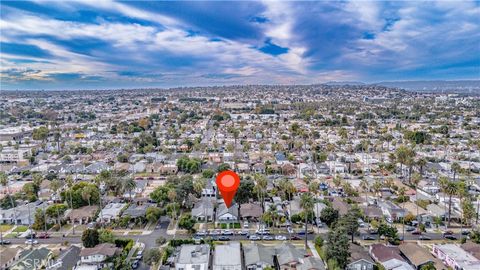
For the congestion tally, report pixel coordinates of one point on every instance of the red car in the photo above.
(43, 235)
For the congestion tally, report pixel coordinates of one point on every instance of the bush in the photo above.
(319, 241)
(152, 256)
(223, 225)
(236, 225)
(160, 240)
(179, 242)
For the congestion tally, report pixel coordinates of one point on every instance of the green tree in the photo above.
(187, 222)
(428, 266)
(329, 215)
(153, 213)
(90, 238)
(223, 167)
(129, 185)
(40, 134)
(350, 221)
(106, 236)
(245, 191)
(337, 246)
(208, 173)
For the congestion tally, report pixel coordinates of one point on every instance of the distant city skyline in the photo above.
(138, 44)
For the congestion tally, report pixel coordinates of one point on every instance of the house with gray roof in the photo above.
(203, 210)
(110, 212)
(195, 257)
(288, 256)
(258, 256)
(227, 215)
(227, 256)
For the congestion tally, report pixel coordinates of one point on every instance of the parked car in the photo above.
(202, 233)
(227, 232)
(135, 264)
(417, 232)
(409, 228)
(245, 224)
(140, 255)
(280, 238)
(243, 232)
(450, 237)
(5, 242)
(31, 242)
(295, 237)
(424, 237)
(290, 230)
(224, 238)
(368, 237)
(253, 237)
(447, 233)
(214, 232)
(465, 232)
(43, 235)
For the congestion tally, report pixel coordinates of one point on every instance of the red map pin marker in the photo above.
(227, 183)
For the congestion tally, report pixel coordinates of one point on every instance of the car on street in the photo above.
(267, 238)
(447, 233)
(214, 232)
(368, 237)
(409, 228)
(201, 233)
(224, 238)
(424, 237)
(253, 237)
(450, 237)
(280, 238)
(135, 264)
(465, 232)
(243, 232)
(227, 232)
(31, 242)
(140, 255)
(43, 235)
(5, 242)
(417, 232)
(295, 237)
(197, 238)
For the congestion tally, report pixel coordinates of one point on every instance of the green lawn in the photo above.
(5, 227)
(134, 233)
(20, 229)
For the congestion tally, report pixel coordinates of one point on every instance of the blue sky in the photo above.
(125, 44)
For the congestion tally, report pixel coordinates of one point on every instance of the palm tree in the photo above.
(128, 185)
(260, 187)
(450, 189)
(443, 182)
(69, 181)
(415, 180)
(313, 188)
(377, 186)
(199, 185)
(462, 193)
(455, 169)
(306, 202)
(401, 193)
(365, 187)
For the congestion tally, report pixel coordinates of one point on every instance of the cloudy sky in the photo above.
(115, 44)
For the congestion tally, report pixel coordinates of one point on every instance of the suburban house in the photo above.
(389, 257)
(251, 211)
(258, 256)
(359, 259)
(82, 215)
(288, 256)
(227, 215)
(418, 256)
(111, 212)
(99, 255)
(455, 257)
(311, 263)
(21, 214)
(227, 256)
(9, 256)
(194, 257)
(203, 210)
